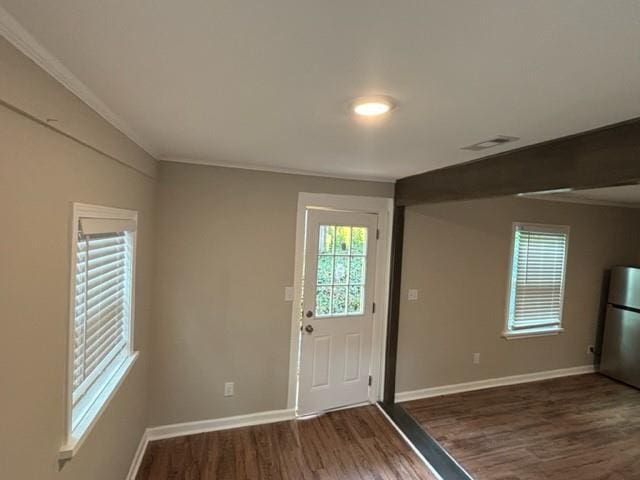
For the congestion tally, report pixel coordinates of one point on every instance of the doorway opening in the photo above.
(339, 313)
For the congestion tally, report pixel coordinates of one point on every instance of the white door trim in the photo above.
(383, 207)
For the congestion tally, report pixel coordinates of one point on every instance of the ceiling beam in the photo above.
(602, 157)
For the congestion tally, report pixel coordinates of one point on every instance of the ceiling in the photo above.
(266, 84)
(625, 196)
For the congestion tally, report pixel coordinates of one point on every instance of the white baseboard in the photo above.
(191, 428)
(202, 426)
(261, 418)
(491, 382)
(137, 458)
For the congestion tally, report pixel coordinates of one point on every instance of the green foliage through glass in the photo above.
(341, 270)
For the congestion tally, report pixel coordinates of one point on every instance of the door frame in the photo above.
(383, 207)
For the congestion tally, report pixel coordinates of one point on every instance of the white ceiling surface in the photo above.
(266, 84)
(628, 195)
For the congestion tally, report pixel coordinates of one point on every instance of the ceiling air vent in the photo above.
(492, 142)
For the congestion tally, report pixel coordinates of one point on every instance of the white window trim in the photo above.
(534, 332)
(74, 438)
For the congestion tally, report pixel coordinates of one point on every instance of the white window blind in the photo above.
(103, 276)
(537, 277)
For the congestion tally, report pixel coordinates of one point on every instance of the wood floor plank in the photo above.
(583, 427)
(354, 444)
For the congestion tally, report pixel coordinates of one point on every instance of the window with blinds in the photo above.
(102, 277)
(536, 287)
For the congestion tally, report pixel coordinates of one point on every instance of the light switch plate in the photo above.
(228, 389)
(413, 294)
(288, 294)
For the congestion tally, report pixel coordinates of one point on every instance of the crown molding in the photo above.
(283, 170)
(20, 38)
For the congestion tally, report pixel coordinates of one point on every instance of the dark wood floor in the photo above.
(583, 427)
(357, 443)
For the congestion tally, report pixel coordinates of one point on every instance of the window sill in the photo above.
(81, 432)
(541, 332)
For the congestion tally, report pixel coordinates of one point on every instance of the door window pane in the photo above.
(323, 301)
(343, 240)
(339, 304)
(325, 269)
(356, 271)
(355, 304)
(358, 240)
(341, 273)
(341, 270)
(327, 239)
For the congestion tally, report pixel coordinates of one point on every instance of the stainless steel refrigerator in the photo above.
(621, 341)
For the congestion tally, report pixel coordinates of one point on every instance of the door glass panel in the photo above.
(341, 273)
(339, 304)
(325, 269)
(343, 240)
(358, 240)
(356, 271)
(341, 270)
(323, 301)
(356, 301)
(327, 239)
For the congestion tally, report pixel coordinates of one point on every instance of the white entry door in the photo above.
(337, 319)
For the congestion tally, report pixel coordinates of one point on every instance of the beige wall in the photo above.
(41, 174)
(457, 256)
(226, 245)
(25, 86)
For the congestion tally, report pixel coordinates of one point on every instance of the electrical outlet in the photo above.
(476, 358)
(591, 350)
(288, 294)
(228, 389)
(413, 294)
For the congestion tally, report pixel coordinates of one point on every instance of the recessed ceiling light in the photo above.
(372, 106)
